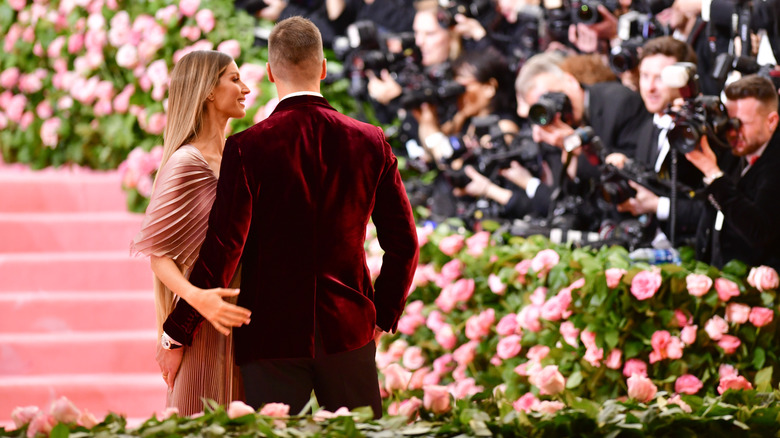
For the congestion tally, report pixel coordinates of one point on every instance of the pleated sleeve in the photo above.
(177, 216)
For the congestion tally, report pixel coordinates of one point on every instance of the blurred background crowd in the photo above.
(572, 118)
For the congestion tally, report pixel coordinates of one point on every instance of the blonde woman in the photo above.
(205, 92)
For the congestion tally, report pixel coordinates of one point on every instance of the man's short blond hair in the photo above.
(295, 49)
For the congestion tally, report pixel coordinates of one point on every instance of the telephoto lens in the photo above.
(549, 105)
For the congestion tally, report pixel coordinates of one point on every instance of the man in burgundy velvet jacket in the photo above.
(295, 194)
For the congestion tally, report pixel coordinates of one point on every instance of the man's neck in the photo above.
(283, 89)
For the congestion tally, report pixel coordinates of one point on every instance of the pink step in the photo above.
(87, 271)
(61, 190)
(63, 312)
(23, 354)
(133, 395)
(52, 232)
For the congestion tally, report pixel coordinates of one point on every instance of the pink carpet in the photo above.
(77, 314)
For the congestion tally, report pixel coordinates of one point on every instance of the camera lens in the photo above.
(685, 137)
(585, 13)
(541, 114)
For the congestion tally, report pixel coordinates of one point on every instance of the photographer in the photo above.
(487, 84)
(653, 146)
(612, 110)
(741, 221)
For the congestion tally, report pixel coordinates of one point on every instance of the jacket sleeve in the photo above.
(224, 243)
(397, 235)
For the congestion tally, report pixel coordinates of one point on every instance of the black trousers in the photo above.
(346, 379)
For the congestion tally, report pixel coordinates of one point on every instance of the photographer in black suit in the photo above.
(741, 221)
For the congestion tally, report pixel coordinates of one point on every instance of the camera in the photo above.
(587, 12)
(471, 9)
(625, 56)
(699, 115)
(549, 105)
(557, 16)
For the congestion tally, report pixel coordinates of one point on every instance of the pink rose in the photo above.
(413, 358)
(570, 333)
(435, 321)
(275, 410)
(761, 316)
(436, 399)
(729, 343)
(509, 347)
(188, 7)
(507, 325)
(523, 267)
(527, 403)
(42, 423)
(726, 370)
(726, 289)
(50, 132)
(613, 276)
(594, 355)
(645, 284)
(9, 77)
(478, 326)
(635, 367)
(23, 415)
(463, 289)
(737, 313)
(396, 377)
(168, 413)
(733, 382)
(698, 284)
(450, 245)
(528, 318)
(410, 408)
(75, 43)
(408, 324)
(614, 359)
(446, 337)
(477, 243)
(763, 278)
(231, 47)
(716, 327)
(537, 353)
(191, 33)
(205, 20)
(682, 319)
(641, 388)
(553, 308)
(464, 388)
(549, 380)
(688, 384)
(238, 408)
(255, 73)
(418, 378)
(588, 338)
(544, 261)
(677, 400)
(688, 334)
(465, 354)
(88, 420)
(550, 407)
(450, 272)
(64, 411)
(495, 284)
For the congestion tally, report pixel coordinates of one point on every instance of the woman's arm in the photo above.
(209, 302)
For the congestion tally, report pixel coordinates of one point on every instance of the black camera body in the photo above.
(587, 12)
(548, 106)
(470, 9)
(703, 115)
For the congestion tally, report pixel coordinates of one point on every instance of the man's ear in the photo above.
(268, 71)
(324, 69)
(773, 119)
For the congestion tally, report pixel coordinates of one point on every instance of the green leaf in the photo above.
(60, 431)
(763, 380)
(759, 357)
(574, 380)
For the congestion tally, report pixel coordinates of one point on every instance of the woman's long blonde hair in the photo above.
(192, 80)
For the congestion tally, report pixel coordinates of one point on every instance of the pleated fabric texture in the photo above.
(175, 226)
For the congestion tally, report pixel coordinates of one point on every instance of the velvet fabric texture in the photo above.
(295, 194)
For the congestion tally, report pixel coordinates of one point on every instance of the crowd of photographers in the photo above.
(644, 123)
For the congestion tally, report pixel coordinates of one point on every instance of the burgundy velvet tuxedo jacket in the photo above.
(295, 194)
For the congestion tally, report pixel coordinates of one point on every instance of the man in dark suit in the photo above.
(653, 149)
(742, 221)
(295, 194)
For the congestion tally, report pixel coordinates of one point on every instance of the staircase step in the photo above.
(24, 354)
(62, 190)
(63, 312)
(84, 271)
(132, 395)
(52, 232)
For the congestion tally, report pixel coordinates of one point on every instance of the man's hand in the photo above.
(616, 159)
(552, 134)
(378, 332)
(169, 362)
(383, 89)
(704, 158)
(643, 202)
(221, 314)
(517, 174)
(477, 187)
(469, 28)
